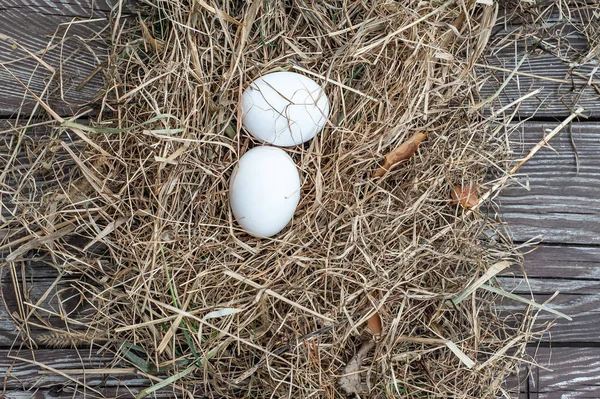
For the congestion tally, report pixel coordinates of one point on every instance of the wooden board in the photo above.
(582, 307)
(573, 271)
(81, 8)
(35, 277)
(567, 373)
(54, 55)
(536, 207)
(566, 262)
(39, 145)
(553, 65)
(60, 92)
(551, 199)
(22, 379)
(60, 392)
(578, 297)
(11, 332)
(556, 100)
(24, 375)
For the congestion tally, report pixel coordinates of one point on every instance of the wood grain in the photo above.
(561, 204)
(556, 100)
(573, 271)
(68, 36)
(72, 60)
(38, 284)
(573, 373)
(583, 329)
(566, 262)
(69, 8)
(23, 375)
(59, 392)
(517, 382)
(40, 146)
(583, 393)
(578, 297)
(557, 57)
(34, 272)
(551, 199)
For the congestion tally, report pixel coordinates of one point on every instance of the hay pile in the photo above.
(175, 287)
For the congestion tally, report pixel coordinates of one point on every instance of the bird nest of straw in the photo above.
(372, 289)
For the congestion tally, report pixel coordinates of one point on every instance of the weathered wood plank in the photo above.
(554, 107)
(72, 60)
(25, 375)
(35, 288)
(567, 262)
(517, 383)
(22, 376)
(553, 48)
(549, 285)
(583, 309)
(69, 36)
(573, 271)
(573, 373)
(556, 99)
(23, 187)
(60, 392)
(20, 373)
(578, 298)
(576, 262)
(70, 8)
(554, 201)
(584, 393)
(35, 274)
(23, 147)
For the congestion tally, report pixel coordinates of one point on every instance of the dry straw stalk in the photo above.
(170, 282)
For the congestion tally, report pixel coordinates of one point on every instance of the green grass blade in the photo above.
(175, 377)
(128, 349)
(166, 382)
(91, 129)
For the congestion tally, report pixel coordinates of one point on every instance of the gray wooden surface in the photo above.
(556, 202)
(41, 30)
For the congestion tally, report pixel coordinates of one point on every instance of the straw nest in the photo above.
(174, 286)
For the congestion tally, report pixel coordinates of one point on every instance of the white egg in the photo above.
(284, 108)
(264, 191)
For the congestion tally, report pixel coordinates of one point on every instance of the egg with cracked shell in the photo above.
(284, 108)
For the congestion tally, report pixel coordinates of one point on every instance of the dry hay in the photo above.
(172, 285)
